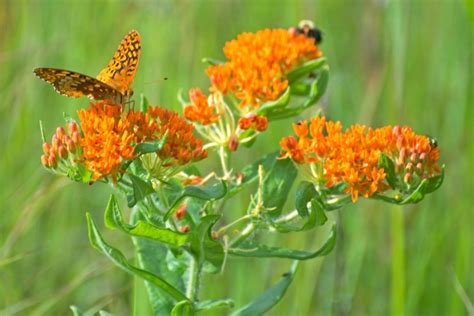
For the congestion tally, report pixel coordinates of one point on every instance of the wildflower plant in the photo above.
(178, 223)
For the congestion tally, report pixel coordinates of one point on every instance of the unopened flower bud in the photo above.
(60, 132)
(409, 166)
(44, 161)
(407, 178)
(422, 156)
(46, 148)
(261, 123)
(75, 137)
(70, 146)
(184, 228)
(399, 143)
(414, 157)
(419, 166)
(52, 161)
(233, 143)
(181, 211)
(72, 127)
(62, 151)
(55, 142)
(396, 130)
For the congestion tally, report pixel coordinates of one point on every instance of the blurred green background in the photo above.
(392, 62)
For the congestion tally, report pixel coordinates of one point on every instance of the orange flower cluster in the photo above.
(351, 157)
(110, 136)
(200, 110)
(258, 63)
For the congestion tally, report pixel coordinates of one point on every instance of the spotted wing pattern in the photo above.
(121, 69)
(73, 84)
(112, 83)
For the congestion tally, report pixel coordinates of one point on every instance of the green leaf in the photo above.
(114, 219)
(277, 182)
(270, 297)
(119, 259)
(75, 310)
(158, 259)
(213, 304)
(315, 92)
(183, 308)
(305, 69)
(151, 147)
(254, 249)
(417, 194)
(279, 103)
(304, 194)
(210, 192)
(212, 61)
(316, 217)
(389, 167)
(250, 172)
(105, 313)
(318, 211)
(143, 103)
(435, 182)
(204, 247)
(140, 189)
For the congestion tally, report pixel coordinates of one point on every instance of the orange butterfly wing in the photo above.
(121, 69)
(73, 84)
(112, 83)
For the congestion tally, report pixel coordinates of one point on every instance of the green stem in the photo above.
(192, 288)
(397, 233)
(249, 228)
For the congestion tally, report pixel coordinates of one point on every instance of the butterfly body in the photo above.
(113, 83)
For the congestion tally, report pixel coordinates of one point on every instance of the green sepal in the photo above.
(113, 219)
(204, 247)
(279, 103)
(389, 168)
(212, 61)
(305, 69)
(140, 189)
(143, 103)
(213, 304)
(209, 192)
(277, 182)
(119, 259)
(254, 249)
(151, 147)
(183, 308)
(270, 297)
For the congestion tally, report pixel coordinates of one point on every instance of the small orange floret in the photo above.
(352, 156)
(200, 110)
(257, 122)
(258, 63)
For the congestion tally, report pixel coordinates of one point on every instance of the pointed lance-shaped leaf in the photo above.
(119, 259)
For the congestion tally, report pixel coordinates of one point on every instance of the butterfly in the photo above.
(113, 82)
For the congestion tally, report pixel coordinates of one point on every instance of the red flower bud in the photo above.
(184, 228)
(233, 143)
(181, 211)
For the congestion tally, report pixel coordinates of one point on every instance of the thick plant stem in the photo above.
(397, 233)
(192, 288)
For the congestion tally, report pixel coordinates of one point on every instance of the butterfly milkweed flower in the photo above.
(258, 63)
(109, 137)
(329, 156)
